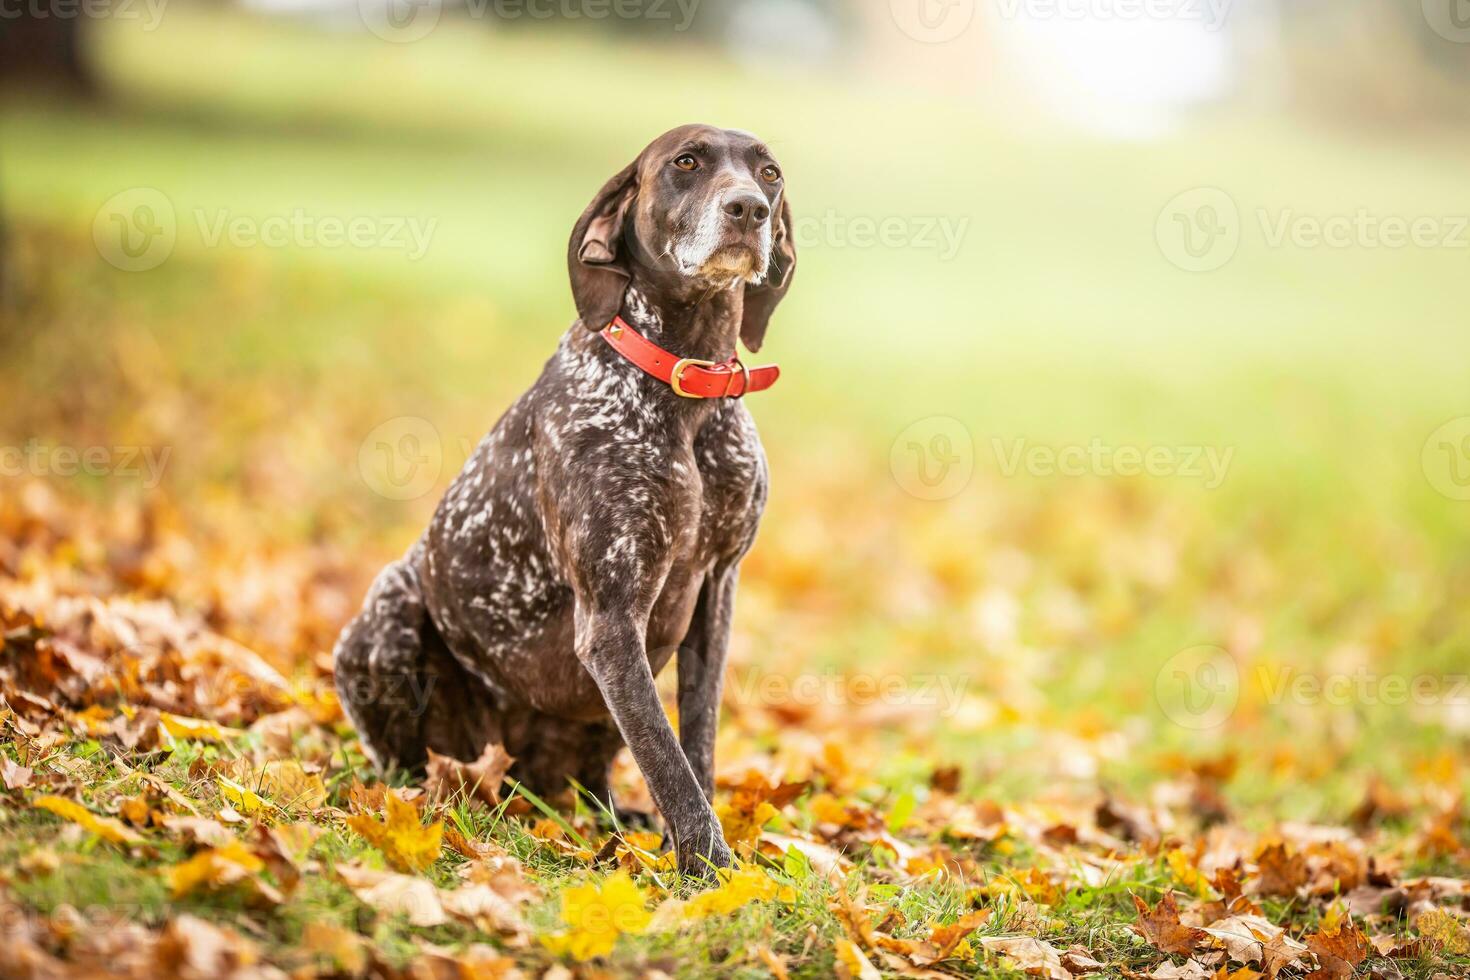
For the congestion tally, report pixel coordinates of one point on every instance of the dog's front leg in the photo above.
(702, 673)
(610, 646)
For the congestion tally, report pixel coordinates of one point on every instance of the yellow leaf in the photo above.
(407, 844)
(596, 916)
(291, 786)
(852, 963)
(197, 729)
(1185, 872)
(214, 868)
(1439, 925)
(737, 887)
(744, 828)
(243, 799)
(105, 827)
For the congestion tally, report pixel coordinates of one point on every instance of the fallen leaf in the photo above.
(216, 867)
(412, 897)
(1160, 925)
(852, 964)
(478, 780)
(15, 775)
(596, 915)
(1446, 930)
(1029, 955)
(407, 844)
(105, 827)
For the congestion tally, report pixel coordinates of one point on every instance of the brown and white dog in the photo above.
(599, 527)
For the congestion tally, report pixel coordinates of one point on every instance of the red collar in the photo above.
(688, 376)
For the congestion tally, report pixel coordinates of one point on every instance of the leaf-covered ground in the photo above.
(984, 735)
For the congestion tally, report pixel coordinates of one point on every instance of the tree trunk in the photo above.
(44, 51)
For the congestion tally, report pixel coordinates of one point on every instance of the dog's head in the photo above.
(702, 207)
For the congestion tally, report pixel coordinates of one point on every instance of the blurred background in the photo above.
(1127, 367)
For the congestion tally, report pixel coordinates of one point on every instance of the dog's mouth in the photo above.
(738, 260)
(721, 256)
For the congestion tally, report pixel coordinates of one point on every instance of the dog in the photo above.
(600, 526)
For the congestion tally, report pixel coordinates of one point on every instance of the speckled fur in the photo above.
(599, 527)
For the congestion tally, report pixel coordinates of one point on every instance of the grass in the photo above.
(1054, 603)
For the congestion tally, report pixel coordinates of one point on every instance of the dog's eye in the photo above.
(686, 162)
(770, 174)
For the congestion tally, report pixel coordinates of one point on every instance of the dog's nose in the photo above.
(748, 210)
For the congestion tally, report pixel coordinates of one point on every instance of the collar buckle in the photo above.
(676, 377)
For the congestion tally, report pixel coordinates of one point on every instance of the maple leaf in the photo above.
(597, 916)
(478, 780)
(741, 828)
(407, 844)
(1280, 870)
(1160, 925)
(1340, 947)
(737, 887)
(107, 828)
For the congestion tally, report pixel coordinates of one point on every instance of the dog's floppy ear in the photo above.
(760, 301)
(597, 259)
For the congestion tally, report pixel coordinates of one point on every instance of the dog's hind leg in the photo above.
(401, 687)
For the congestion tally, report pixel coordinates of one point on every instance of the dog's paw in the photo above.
(704, 854)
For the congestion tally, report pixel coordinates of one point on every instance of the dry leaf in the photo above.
(478, 780)
(1029, 955)
(412, 897)
(105, 827)
(1160, 925)
(407, 844)
(15, 775)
